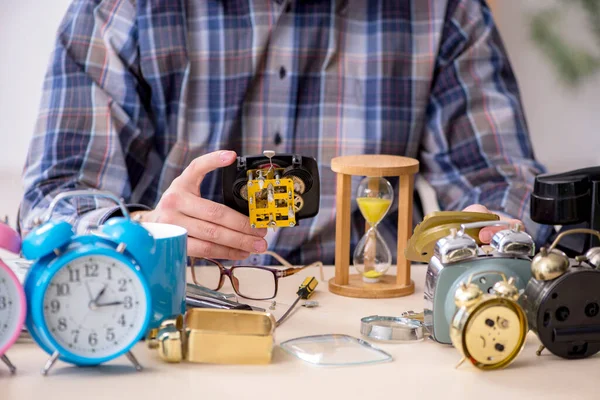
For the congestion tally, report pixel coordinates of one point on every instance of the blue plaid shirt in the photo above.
(136, 89)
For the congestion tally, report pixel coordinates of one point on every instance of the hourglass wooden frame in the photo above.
(405, 168)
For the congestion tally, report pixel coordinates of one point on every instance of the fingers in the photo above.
(486, 234)
(206, 210)
(218, 235)
(172, 210)
(201, 248)
(191, 177)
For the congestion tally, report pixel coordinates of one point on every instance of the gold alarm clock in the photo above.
(488, 329)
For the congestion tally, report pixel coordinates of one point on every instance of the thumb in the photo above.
(477, 208)
(192, 176)
(485, 234)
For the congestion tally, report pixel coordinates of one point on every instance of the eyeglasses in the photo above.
(250, 282)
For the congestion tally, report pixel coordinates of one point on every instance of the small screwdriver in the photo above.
(305, 290)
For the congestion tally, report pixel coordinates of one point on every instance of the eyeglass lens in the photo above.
(254, 283)
(207, 274)
(250, 282)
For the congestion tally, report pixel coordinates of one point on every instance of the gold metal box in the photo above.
(218, 337)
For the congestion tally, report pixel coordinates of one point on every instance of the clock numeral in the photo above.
(110, 334)
(54, 306)
(74, 275)
(62, 324)
(91, 270)
(109, 273)
(122, 285)
(63, 289)
(121, 320)
(3, 302)
(128, 302)
(93, 339)
(75, 334)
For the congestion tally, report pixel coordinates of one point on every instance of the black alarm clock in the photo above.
(273, 190)
(569, 199)
(562, 300)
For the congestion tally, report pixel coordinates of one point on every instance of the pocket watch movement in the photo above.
(488, 329)
(274, 190)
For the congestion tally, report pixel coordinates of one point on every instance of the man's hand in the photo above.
(214, 230)
(486, 234)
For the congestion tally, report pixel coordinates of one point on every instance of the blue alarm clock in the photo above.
(87, 297)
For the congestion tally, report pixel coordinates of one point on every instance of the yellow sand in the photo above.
(372, 208)
(372, 274)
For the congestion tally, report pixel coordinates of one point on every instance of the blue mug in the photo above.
(167, 277)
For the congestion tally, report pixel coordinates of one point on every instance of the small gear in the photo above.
(299, 186)
(244, 192)
(298, 203)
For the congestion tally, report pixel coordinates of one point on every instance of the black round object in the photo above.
(237, 187)
(564, 312)
(560, 199)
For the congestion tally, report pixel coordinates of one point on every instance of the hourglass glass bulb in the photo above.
(372, 256)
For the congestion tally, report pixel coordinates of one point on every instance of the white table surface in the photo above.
(424, 369)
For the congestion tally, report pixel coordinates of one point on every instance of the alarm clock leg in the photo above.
(539, 351)
(462, 360)
(50, 363)
(10, 366)
(134, 361)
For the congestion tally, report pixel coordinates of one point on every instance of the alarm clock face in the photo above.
(95, 306)
(12, 308)
(495, 334)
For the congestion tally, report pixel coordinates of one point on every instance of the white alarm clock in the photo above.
(89, 301)
(12, 311)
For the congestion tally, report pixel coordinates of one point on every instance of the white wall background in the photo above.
(564, 122)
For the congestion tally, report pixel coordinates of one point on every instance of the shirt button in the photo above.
(277, 140)
(254, 260)
(282, 72)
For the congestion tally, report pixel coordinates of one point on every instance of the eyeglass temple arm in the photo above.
(276, 256)
(291, 269)
(294, 270)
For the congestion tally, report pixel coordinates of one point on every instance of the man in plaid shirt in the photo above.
(148, 99)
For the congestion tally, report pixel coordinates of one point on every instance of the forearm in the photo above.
(83, 213)
(476, 148)
(89, 117)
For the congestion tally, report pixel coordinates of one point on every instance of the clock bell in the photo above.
(488, 329)
(274, 190)
(562, 300)
(458, 256)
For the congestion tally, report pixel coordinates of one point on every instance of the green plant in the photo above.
(573, 63)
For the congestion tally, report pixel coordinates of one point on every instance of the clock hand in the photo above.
(114, 303)
(100, 294)
(88, 290)
(94, 303)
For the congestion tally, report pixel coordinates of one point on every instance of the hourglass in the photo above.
(372, 256)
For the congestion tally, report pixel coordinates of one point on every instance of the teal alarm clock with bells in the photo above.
(87, 297)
